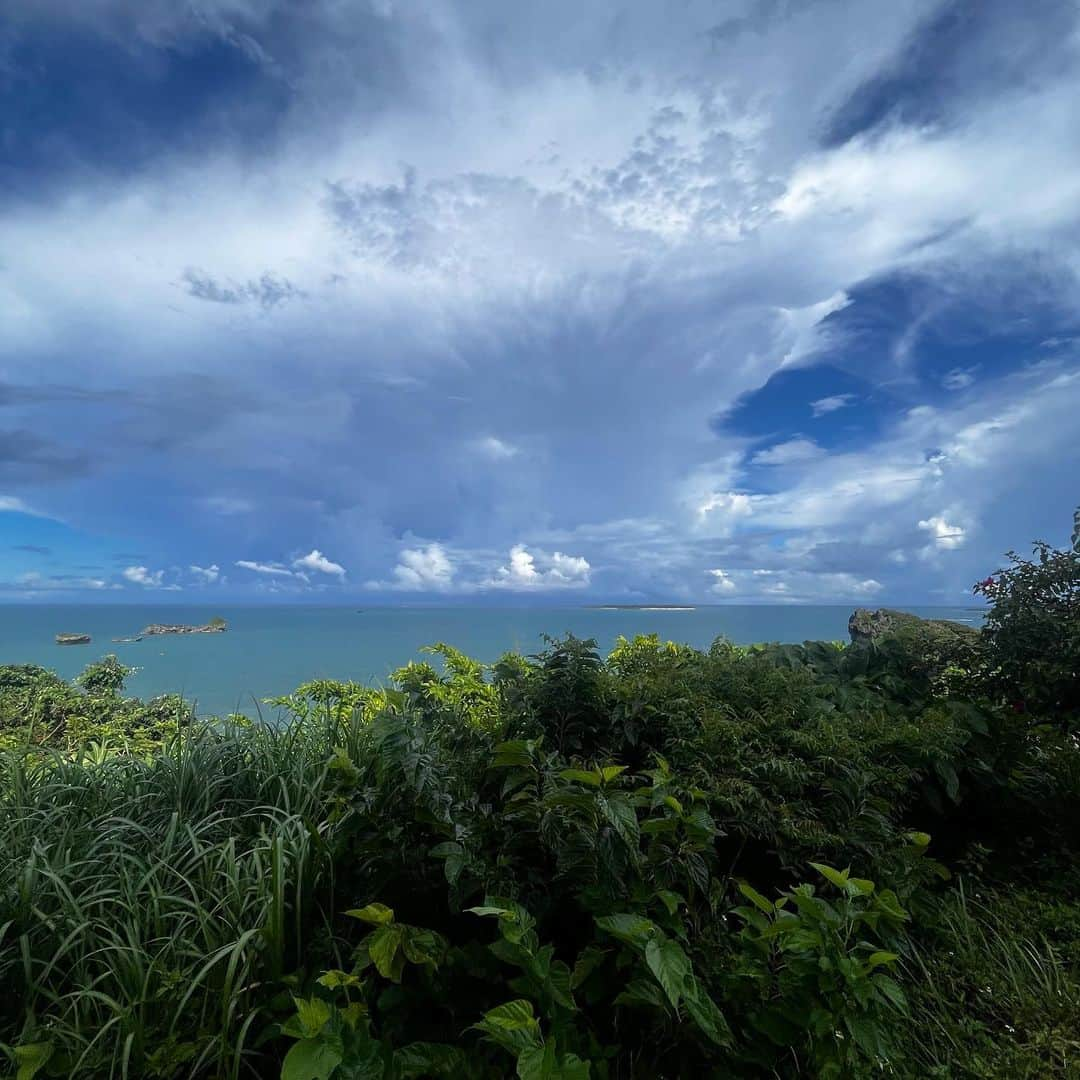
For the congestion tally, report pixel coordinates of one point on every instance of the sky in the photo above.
(412, 301)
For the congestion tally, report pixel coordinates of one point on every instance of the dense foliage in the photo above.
(778, 861)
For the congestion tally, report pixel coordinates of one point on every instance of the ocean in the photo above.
(270, 650)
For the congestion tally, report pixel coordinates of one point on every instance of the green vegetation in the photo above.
(662, 863)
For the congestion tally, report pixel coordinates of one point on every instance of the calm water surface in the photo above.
(270, 650)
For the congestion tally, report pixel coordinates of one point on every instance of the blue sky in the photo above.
(387, 301)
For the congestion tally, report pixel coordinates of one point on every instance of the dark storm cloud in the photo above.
(27, 458)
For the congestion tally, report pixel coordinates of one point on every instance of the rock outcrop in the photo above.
(867, 627)
(171, 628)
(72, 639)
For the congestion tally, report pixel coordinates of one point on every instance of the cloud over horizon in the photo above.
(739, 303)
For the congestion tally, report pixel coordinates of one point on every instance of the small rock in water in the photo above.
(72, 639)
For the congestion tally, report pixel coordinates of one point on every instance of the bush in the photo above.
(1032, 634)
(665, 862)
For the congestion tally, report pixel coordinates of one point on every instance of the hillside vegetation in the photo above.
(777, 861)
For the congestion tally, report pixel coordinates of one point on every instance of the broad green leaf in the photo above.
(352, 1014)
(670, 966)
(632, 929)
(365, 1062)
(620, 813)
(313, 1014)
(836, 877)
(886, 900)
(658, 826)
(449, 847)
(880, 957)
(756, 898)
(421, 1059)
(489, 909)
(704, 1013)
(947, 775)
(311, 1059)
(919, 840)
(858, 886)
(609, 772)
(512, 1025)
(421, 946)
(642, 994)
(559, 982)
(590, 779)
(334, 979)
(588, 961)
(384, 946)
(671, 900)
(537, 1062)
(31, 1058)
(512, 1016)
(512, 756)
(571, 1067)
(891, 989)
(376, 914)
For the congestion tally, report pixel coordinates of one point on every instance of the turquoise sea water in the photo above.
(270, 650)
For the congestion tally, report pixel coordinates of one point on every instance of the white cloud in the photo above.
(140, 575)
(721, 511)
(830, 404)
(792, 452)
(945, 536)
(527, 570)
(316, 561)
(959, 378)
(495, 449)
(426, 569)
(268, 569)
(36, 581)
(207, 574)
(723, 583)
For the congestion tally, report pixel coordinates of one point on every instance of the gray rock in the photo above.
(72, 639)
(866, 627)
(171, 628)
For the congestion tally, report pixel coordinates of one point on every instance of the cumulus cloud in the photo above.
(944, 535)
(141, 575)
(792, 452)
(426, 569)
(527, 570)
(723, 582)
(317, 562)
(824, 406)
(206, 574)
(722, 510)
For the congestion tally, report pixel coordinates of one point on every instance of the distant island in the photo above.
(214, 626)
(72, 639)
(641, 607)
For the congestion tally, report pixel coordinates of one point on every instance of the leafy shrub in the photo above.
(560, 866)
(1032, 634)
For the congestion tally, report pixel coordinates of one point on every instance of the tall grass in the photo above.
(144, 900)
(989, 999)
